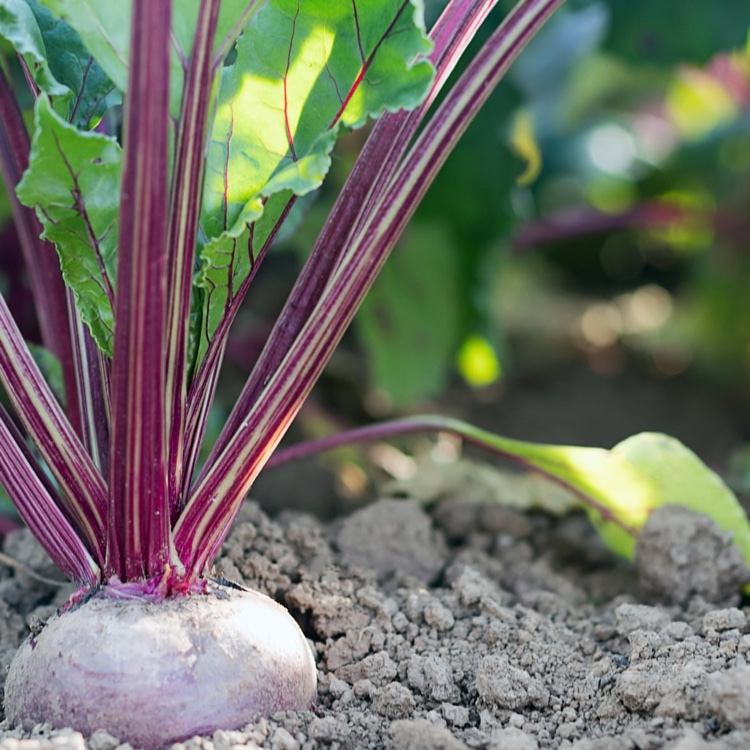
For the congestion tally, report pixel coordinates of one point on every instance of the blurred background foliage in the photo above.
(580, 269)
(599, 202)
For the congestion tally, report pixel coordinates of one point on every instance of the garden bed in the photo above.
(474, 625)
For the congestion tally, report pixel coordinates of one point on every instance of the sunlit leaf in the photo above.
(104, 27)
(681, 478)
(73, 182)
(622, 486)
(300, 70)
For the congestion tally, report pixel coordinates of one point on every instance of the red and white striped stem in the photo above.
(35, 502)
(82, 486)
(184, 213)
(138, 521)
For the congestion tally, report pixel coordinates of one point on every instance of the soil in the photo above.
(470, 624)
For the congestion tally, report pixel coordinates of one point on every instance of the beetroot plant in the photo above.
(142, 236)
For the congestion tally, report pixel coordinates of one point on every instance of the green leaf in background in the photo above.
(19, 26)
(60, 64)
(73, 65)
(477, 220)
(104, 27)
(300, 70)
(645, 30)
(73, 182)
(410, 321)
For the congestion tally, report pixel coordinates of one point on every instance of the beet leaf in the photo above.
(73, 182)
(618, 488)
(326, 64)
(368, 179)
(105, 28)
(211, 509)
(18, 25)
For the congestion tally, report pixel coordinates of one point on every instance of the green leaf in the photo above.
(185, 16)
(410, 321)
(104, 27)
(628, 482)
(478, 219)
(226, 262)
(294, 68)
(73, 65)
(73, 182)
(681, 478)
(301, 70)
(19, 26)
(60, 64)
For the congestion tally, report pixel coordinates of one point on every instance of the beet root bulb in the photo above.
(151, 673)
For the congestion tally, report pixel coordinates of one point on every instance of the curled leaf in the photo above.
(19, 27)
(73, 182)
(621, 487)
(104, 27)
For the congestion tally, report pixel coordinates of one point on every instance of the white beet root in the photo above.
(151, 673)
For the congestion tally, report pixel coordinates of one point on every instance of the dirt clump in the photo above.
(392, 538)
(681, 554)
